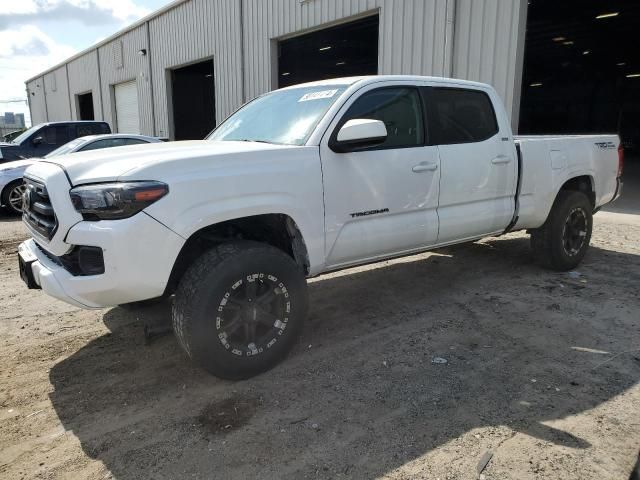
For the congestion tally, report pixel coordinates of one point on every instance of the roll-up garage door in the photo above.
(127, 119)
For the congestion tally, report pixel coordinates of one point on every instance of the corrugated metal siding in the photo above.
(120, 62)
(57, 95)
(488, 45)
(36, 101)
(83, 78)
(412, 36)
(191, 32)
(473, 39)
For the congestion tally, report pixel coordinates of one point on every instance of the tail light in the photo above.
(620, 160)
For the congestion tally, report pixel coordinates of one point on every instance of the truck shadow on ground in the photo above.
(360, 395)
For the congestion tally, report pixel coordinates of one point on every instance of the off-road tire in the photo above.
(548, 241)
(202, 309)
(6, 196)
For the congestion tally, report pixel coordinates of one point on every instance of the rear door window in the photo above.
(134, 141)
(85, 129)
(457, 115)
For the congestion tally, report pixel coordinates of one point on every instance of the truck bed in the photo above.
(594, 157)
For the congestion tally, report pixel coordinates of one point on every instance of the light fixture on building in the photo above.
(558, 39)
(536, 84)
(340, 63)
(568, 42)
(607, 15)
(621, 64)
(142, 52)
(633, 75)
(325, 48)
(586, 52)
(284, 74)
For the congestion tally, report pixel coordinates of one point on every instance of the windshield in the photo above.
(66, 148)
(26, 134)
(285, 117)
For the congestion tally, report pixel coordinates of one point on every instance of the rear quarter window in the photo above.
(456, 115)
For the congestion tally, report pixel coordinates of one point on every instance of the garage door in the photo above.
(127, 119)
(345, 50)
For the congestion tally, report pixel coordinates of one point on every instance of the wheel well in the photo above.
(278, 230)
(582, 184)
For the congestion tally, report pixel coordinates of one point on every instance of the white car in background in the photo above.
(12, 186)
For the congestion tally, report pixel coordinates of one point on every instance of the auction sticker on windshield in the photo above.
(317, 95)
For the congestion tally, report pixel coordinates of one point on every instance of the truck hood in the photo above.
(112, 164)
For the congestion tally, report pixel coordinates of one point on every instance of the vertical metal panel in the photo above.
(83, 78)
(488, 43)
(57, 95)
(124, 50)
(412, 37)
(191, 32)
(35, 90)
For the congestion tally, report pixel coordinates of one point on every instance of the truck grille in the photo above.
(37, 211)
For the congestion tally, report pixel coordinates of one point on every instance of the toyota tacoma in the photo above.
(298, 182)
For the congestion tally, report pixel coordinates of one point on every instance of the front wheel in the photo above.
(12, 196)
(562, 242)
(239, 309)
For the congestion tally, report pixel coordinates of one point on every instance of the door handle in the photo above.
(501, 159)
(425, 167)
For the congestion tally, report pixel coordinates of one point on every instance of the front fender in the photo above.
(289, 184)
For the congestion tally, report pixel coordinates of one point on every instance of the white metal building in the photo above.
(186, 67)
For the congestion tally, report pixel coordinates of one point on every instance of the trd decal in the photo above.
(368, 212)
(605, 145)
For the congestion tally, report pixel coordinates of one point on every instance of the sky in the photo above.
(38, 34)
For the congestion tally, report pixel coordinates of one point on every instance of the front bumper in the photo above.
(139, 253)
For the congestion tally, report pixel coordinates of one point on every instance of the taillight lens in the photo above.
(620, 160)
(112, 201)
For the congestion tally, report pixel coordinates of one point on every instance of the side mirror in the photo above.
(38, 140)
(359, 133)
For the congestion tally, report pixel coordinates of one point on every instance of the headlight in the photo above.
(111, 201)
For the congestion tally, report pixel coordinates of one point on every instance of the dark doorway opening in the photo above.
(85, 106)
(193, 93)
(341, 51)
(582, 69)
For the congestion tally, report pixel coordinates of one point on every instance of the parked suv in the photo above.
(42, 139)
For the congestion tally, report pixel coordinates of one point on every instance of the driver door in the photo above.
(381, 200)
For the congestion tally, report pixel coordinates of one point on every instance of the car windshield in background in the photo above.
(25, 134)
(66, 148)
(285, 117)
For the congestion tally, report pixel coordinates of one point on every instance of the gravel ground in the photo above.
(541, 371)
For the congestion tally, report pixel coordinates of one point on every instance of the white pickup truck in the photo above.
(298, 182)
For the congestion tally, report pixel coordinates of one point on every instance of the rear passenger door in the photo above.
(477, 161)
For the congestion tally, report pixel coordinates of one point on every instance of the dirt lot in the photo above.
(542, 370)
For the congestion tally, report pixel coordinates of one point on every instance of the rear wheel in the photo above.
(562, 242)
(12, 196)
(239, 309)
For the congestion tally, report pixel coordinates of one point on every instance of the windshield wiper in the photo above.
(251, 140)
